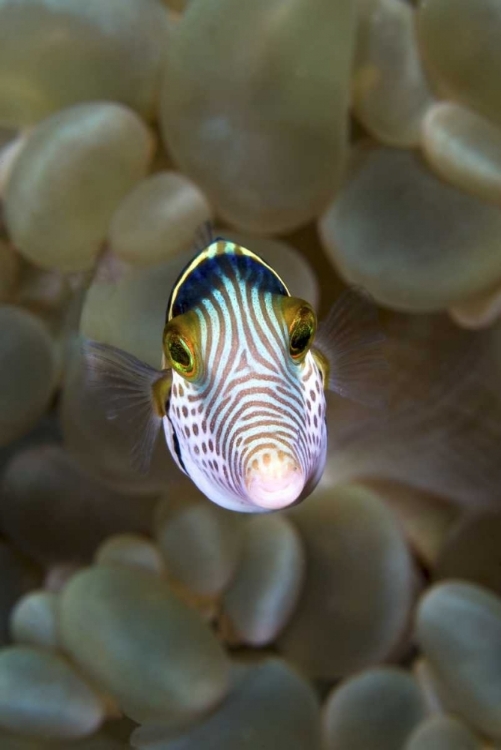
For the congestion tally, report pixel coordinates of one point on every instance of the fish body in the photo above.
(241, 392)
(250, 428)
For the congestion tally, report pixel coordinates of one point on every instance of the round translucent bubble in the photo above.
(41, 694)
(377, 709)
(270, 707)
(268, 582)
(34, 619)
(390, 91)
(464, 149)
(55, 511)
(354, 608)
(472, 551)
(102, 445)
(91, 52)
(130, 549)
(460, 45)
(261, 142)
(328, 285)
(433, 693)
(9, 151)
(127, 630)
(9, 271)
(414, 242)
(158, 219)
(443, 733)
(68, 180)
(28, 372)
(459, 631)
(289, 263)
(200, 542)
(478, 312)
(18, 575)
(425, 518)
(130, 312)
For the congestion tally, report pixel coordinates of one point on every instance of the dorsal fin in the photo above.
(209, 268)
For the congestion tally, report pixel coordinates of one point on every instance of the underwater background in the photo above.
(347, 142)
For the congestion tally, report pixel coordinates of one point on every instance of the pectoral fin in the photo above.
(348, 349)
(133, 392)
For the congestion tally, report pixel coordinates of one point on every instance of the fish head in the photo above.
(246, 415)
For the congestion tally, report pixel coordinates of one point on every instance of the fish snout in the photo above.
(275, 483)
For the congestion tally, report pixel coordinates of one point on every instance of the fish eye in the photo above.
(181, 355)
(301, 333)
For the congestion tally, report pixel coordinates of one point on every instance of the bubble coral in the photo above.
(344, 142)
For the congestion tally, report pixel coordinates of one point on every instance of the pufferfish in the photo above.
(241, 391)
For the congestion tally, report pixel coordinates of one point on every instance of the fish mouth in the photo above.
(275, 486)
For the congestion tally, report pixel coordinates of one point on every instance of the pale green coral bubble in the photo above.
(18, 575)
(28, 368)
(200, 543)
(9, 151)
(460, 46)
(135, 638)
(270, 707)
(130, 312)
(75, 51)
(433, 692)
(426, 518)
(34, 619)
(443, 733)
(265, 134)
(354, 607)
(68, 180)
(413, 241)
(480, 311)
(377, 709)
(130, 550)
(459, 631)
(267, 583)
(464, 149)
(390, 91)
(41, 694)
(158, 219)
